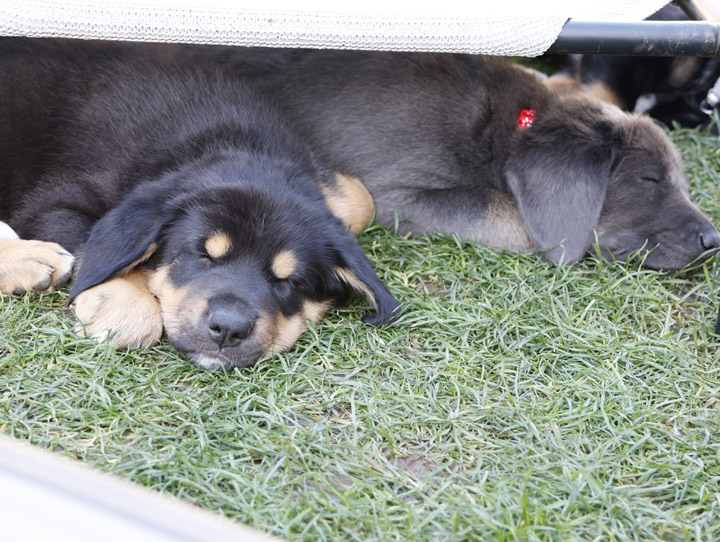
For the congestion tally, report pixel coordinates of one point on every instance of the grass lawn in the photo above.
(513, 400)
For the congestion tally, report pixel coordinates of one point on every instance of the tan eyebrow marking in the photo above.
(218, 244)
(284, 264)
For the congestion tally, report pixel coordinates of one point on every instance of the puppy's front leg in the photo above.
(488, 217)
(121, 309)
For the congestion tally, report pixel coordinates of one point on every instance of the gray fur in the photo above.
(435, 139)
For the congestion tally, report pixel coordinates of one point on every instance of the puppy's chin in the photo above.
(225, 360)
(683, 268)
(211, 363)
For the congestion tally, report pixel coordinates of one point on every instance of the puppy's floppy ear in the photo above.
(355, 270)
(124, 238)
(559, 183)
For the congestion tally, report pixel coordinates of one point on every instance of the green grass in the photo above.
(513, 400)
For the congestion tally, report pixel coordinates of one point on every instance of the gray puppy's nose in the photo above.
(709, 238)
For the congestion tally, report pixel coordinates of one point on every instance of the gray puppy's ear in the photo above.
(559, 184)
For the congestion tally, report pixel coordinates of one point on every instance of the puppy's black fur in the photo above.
(435, 138)
(187, 201)
(669, 89)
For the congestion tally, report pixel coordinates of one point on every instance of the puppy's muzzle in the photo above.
(229, 323)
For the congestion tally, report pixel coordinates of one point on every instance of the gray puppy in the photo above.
(483, 148)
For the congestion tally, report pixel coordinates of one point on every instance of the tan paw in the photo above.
(121, 309)
(38, 266)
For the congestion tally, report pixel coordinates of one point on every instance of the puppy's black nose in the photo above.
(228, 327)
(709, 238)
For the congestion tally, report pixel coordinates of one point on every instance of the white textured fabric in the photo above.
(6, 232)
(508, 27)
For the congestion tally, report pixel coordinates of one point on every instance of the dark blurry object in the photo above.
(685, 90)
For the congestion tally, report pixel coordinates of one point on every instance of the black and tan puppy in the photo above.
(480, 147)
(187, 203)
(669, 89)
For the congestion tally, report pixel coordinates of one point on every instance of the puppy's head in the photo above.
(237, 271)
(587, 170)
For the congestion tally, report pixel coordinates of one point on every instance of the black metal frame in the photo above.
(647, 38)
(698, 37)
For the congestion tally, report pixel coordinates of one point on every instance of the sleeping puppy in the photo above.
(186, 202)
(480, 147)
(669, 89)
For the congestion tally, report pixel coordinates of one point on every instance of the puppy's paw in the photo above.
(38, 266)
(121, 309)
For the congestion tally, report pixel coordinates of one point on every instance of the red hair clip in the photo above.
(526, 118)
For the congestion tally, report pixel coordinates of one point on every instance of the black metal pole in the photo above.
(645, 38)
(700, 10)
